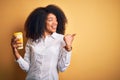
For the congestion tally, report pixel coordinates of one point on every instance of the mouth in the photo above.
(54, 27)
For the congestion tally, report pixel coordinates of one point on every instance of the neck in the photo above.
(46, 34)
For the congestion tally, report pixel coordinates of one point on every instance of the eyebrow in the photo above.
(52, 18)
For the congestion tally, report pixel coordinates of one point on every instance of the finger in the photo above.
(19, 45)
(14, 38)
(73, 35)
(15, 42)
(18, 42)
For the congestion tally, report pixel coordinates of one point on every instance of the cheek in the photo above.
(48, 23)
(48, 27)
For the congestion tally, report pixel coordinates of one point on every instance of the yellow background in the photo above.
(96, 48)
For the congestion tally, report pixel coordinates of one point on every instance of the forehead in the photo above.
(51, 15)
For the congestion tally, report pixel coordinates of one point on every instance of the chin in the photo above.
(54, 31)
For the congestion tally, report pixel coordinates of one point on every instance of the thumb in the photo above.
(73, 35)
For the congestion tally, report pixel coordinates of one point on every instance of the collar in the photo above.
(54, 35)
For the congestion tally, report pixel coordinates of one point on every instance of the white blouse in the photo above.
(44, 58)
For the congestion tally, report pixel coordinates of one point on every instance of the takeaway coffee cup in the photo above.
(19, 36)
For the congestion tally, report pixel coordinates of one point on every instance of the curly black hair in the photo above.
(35, 23)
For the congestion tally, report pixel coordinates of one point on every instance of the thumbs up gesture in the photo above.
(68, 40)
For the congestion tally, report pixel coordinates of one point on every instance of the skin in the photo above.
(51, 26)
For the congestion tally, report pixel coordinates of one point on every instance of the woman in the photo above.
(47, 50)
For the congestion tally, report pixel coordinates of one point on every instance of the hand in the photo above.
(68, 40)
(15, 43)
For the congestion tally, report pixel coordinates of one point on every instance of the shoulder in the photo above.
(58, 36)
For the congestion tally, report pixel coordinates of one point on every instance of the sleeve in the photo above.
(24, 63)
(64, 59)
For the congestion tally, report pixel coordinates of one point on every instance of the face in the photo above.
(51, 23)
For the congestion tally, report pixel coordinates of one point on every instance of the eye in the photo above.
(50, 19)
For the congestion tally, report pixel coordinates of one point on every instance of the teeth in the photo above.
(53, 26)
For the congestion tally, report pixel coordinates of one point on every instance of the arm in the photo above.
(65, 52)
(23, 63)
(64, 59)
(14, 45)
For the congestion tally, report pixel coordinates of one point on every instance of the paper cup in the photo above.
(19, 36)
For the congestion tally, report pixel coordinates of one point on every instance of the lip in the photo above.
(54, 27)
